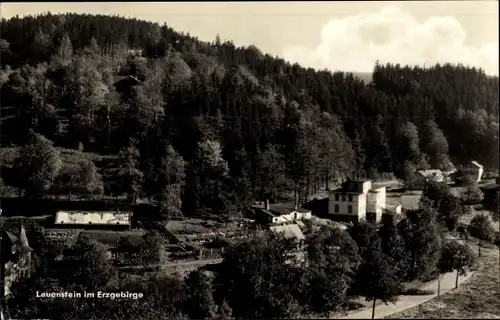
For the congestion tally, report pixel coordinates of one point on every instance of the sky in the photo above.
(346, 36)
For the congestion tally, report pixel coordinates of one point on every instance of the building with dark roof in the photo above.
(16, 257)
(280, 213)
(357, 200)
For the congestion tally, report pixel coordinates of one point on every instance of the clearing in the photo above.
(201, 226)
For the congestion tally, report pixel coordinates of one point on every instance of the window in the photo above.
(336, 208)
(343, 198)
(349, 209)
(337, 198)
(350, 197)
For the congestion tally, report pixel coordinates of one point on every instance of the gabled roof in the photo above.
(20, 240)
(117, 79)
(430, 173)
(289, 231)
(13, 238)
(476, 164)
(278, 209)
(23, 240)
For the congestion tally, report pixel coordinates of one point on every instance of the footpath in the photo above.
(406, 302)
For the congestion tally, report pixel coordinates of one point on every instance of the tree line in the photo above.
(211, 125)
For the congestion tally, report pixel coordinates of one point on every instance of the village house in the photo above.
(281, 213)
(430, 175)
(357, 200)
(16, 258)
(95, 220)
(475, 170)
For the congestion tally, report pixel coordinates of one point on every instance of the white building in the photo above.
(476, 170)
(97, 219)
(281, 213)
(357, 200)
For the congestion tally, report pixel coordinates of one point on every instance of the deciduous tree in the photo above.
(481, 228)
(379, 279)
(38, 164)
(455, 256)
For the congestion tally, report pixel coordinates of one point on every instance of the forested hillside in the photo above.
(210, 124)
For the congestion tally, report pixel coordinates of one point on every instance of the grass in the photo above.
(109, 238)
(199, 226)
(476, 299)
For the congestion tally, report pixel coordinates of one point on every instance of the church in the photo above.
(16, 258)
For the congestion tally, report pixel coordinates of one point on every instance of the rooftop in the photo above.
(289, 231)
(490, 186)
(117, 79)
(95, 218)
(376, 190)
(476, 164)
(430, 173)
(282, 208)
(345, 189)
(20, 239)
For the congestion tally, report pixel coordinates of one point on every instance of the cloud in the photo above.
(3, 12)
(354, 43)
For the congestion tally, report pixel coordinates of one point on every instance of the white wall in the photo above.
(480, 174)
(291, 217)
(358, 205)
(367, 185)
(376, 201)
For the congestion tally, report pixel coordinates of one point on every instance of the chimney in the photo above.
(296, 206)
(267, 204)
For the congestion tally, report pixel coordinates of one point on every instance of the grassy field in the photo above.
(199, 226)
(408, 200)
(476, 299)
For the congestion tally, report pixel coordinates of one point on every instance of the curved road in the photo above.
(407, 302)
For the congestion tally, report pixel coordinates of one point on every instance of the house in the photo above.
(96, 220)
(280, 213)
(431, 175)
(357, 200)
(475, 170)
(16, 258)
